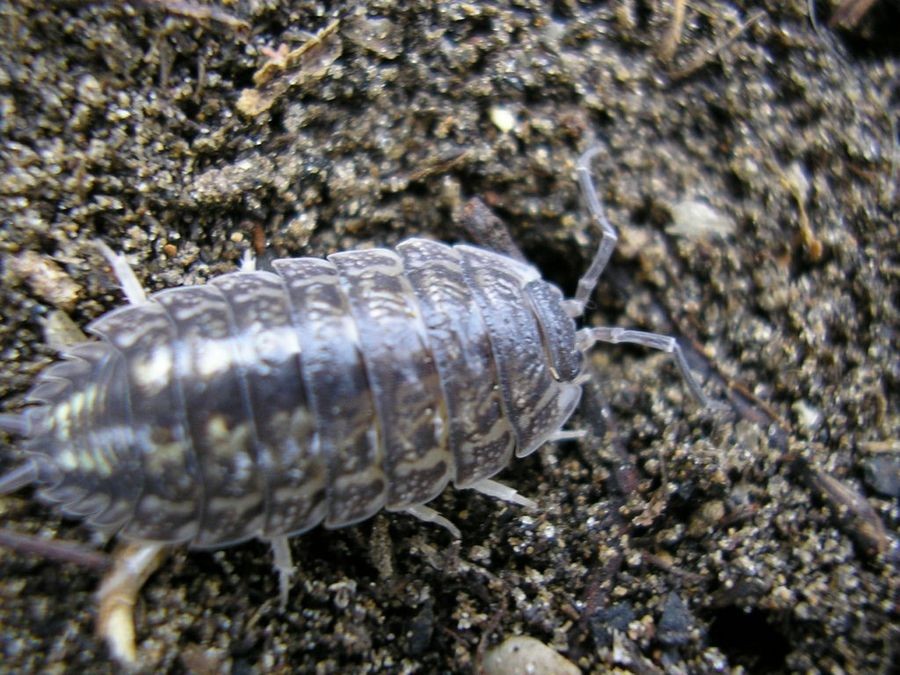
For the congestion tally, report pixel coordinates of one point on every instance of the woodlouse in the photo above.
(262, 404)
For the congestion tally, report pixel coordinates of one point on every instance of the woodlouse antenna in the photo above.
(587, 283)
(587, 337)
(575, 307)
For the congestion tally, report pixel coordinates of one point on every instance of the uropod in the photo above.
(262, 404)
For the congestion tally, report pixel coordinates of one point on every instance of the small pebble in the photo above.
(503, 118)
(882, 474)
(695, 219)
(523, 654)
(676, 623)
(46, 279)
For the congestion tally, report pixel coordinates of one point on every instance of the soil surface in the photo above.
(750, 164)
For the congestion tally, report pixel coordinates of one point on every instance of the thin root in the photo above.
(707, 56)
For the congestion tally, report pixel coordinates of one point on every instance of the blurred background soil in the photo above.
(751, 168)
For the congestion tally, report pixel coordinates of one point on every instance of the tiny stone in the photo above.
(46, 279)
(882, 474)
(695, 219)
(615, 618)
(676, 622)
(807, 416)
(503, 118)
(526, 655)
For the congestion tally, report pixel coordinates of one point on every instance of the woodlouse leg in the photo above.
(131, 287)
(284, 565)
(588, 336)
(248, 262)
(133, 563)
(429, 515)
(492, 488)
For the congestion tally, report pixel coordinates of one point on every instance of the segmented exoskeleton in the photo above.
(264, 403)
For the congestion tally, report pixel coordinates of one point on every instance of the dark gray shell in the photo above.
(262, 404)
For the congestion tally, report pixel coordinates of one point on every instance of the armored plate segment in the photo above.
(262, 404)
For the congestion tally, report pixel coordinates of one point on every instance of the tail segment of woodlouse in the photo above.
(22, 476)
(75, 437)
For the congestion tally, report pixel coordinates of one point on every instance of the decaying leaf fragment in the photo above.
(289, 68)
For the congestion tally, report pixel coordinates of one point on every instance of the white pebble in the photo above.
(522, 654)
(696, 219)
(502, 118)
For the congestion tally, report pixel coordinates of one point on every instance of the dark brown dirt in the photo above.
(760, 538)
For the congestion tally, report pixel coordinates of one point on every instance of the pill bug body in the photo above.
(264, 403)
